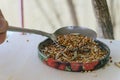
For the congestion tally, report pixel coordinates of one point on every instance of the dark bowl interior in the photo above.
(74, 67)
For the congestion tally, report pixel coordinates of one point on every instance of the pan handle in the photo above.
(17, 29)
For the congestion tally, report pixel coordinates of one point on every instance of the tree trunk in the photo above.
(103, 18)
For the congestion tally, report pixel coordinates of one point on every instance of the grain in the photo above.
(117, 64)
(76, 48)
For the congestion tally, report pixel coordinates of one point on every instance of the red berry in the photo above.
(90, 66)
(51, 62)
(62, 66)
(75, 66)
(94, 63)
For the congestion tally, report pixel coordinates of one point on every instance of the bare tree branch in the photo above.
(103, 18)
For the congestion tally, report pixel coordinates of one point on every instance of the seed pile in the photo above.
(75, 48)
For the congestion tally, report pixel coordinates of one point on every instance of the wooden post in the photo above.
(103, 18)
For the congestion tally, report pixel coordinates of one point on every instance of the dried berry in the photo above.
(7, 41)
(110, 57)
(110, 41)
(27, 40)
(111, 61)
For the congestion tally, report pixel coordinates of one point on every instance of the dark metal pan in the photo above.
(73, 66)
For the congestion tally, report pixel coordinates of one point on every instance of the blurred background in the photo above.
(49, 15)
